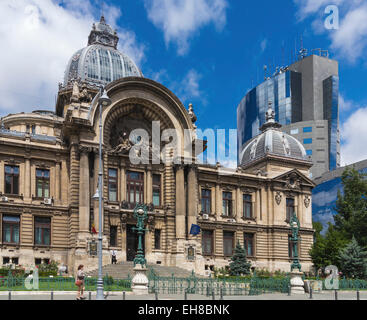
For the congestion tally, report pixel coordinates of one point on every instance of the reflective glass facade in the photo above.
(331, 113)
(278, 90)
(324, 198)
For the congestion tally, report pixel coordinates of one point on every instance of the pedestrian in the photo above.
(114, 258)
(80, 276)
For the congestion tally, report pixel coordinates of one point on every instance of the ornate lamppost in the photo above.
(294, 222)
(297, 284)
(140, 214)
(103, 101)
(140, 281)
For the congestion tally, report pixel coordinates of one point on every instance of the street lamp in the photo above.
(140, 214)
(103, 101)
(295, 226)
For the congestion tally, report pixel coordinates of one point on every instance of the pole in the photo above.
(100, 188)
(123, 295)
(358, 297)
(336, 295)
(310, 291)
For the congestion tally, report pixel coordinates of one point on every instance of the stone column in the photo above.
(57, 181)
(239, 209)
(192, 198)
(27, 182)
(149, 194)
(180, 203)
(84, 196)
(122, 183)
(218, 201)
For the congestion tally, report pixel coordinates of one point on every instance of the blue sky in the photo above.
(208, 52)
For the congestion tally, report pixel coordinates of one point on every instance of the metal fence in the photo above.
(209, 286)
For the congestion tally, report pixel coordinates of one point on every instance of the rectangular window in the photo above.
(307, 141)
(206, 199)
(207, 242)
(294, 131)
(249, 244)
(6, 260)
(309, 152)
(247, 206)
(42, 231)
(228, 243)
(43, 183)
(157, 239)
(113, 236)
(227, 204)
(157, 190)
(112, 184)
(11, 227)
(307, 129)
(134, 188)
(15, 261)
(33, 129)
(11, 180)
(37, 261)
(290, 208)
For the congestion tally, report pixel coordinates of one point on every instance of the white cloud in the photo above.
(38, 37)
(345, 105)
(350, 40)
(180, 19)
(353, 134)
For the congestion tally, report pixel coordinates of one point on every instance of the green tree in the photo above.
(239, 265)
(325, 250)
(353, 260)
(351, 206)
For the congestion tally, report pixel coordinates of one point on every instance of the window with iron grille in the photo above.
(157, 239)
(207, 242)
(112, 184)
(135, 188)
(11, 179)
(249, 244)
(228, 243)
(157, 190)
(42, 231)
(43, 183)
(227, 204)
(11, 227)
(247, 206)
(290, 209)
(113, 236)
(206, 199)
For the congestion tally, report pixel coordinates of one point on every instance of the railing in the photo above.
(208, 286)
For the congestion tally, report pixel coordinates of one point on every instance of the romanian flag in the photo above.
(94, 229)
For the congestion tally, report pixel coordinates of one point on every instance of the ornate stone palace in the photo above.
(49, 165)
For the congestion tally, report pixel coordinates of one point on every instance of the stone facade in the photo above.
(49, 167)
(65, 144)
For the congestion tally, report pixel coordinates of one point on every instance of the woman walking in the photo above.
(80, 283)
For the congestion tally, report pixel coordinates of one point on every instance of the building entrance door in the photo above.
(132, 242)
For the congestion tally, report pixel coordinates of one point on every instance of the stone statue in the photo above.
(124, 143)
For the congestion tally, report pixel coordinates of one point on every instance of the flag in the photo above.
(94, 229)
(195, 229)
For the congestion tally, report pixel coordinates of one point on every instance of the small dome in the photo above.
(272, 141)
(100, 62)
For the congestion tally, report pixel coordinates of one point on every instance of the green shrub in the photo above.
(46, 270)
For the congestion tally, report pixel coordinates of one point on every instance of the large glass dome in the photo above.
(100, 62)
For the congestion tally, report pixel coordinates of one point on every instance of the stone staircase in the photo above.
(124, 269)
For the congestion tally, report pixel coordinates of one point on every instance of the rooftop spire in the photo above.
(270, 119)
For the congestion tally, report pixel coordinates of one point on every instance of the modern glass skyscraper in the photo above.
(305, 100)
